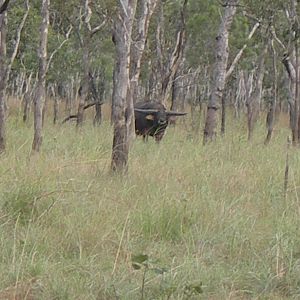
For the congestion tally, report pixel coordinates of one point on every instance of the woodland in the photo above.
(88, 210)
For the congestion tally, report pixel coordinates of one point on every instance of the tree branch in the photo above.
(240, 53)
(59, 47)
(98, 28)
(17, 41)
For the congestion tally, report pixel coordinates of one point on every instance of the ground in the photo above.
(188, 222)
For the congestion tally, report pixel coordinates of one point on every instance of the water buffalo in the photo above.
(152, 118)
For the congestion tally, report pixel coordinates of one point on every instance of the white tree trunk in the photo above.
(219, 70)
(40, 94)
(136, 53)
(120, 108)
(3, 24)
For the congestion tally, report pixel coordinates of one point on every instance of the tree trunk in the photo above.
(175, 59)
(120, 107)
(99, 101)
(27, 94)
(26, 107)
(3, 66)
(98, 115)
(297, 90)
(223, 114)
(176, 100)
(40, 93)
(219, 71)
(293, 71)
(55, 109)
(136, 52)
(255, 97)
(85, 62)
(147, 8)
(272, 109)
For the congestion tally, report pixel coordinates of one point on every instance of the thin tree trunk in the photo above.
(176, 100)
(292, 71)
(254, 99)
(98, 115)
(40, 93)
(26, 107)
(219, 71)
(27, 94)
(3, 25)
(223, 113)
(297, 90)
(271, 112)
(240, 53)
(146, 10)
(55, 109)
(17, 41)
(122, 40)
(85, 62)
(99, 101)
(175, 59)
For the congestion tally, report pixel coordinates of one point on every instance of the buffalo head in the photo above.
(152, 118)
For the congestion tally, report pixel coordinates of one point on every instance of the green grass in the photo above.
(214, 218)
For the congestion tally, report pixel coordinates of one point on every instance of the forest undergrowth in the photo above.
(187, 222)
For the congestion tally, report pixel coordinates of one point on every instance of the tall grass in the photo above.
(213, 218)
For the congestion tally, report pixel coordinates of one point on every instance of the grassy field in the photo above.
(188, 222)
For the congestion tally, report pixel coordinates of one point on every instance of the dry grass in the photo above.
(213, 219)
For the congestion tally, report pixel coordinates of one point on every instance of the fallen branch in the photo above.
(76, 116)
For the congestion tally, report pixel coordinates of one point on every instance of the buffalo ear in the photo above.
(150, 117)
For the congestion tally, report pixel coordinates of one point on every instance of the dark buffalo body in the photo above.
(152, 118)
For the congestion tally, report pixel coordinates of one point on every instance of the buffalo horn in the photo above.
(146, 111)
(175, 113)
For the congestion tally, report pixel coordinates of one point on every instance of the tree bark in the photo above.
(293, 70)
(219, 71)
(3, 25)
(120, 107)
(272, 109)
(55, 109)
(99, 100)
(40, 93)
(85, 62)
(223, 113)
(254, 99)
(176, 100)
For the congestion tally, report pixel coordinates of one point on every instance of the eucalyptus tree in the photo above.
(40, 93)
(292, 66)
(122, 31)
(145, 9)
(167, 47)
(254, 96)
(219, 69)
(6, 61)
(85, 42)
(272, 109)
(3, 24)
